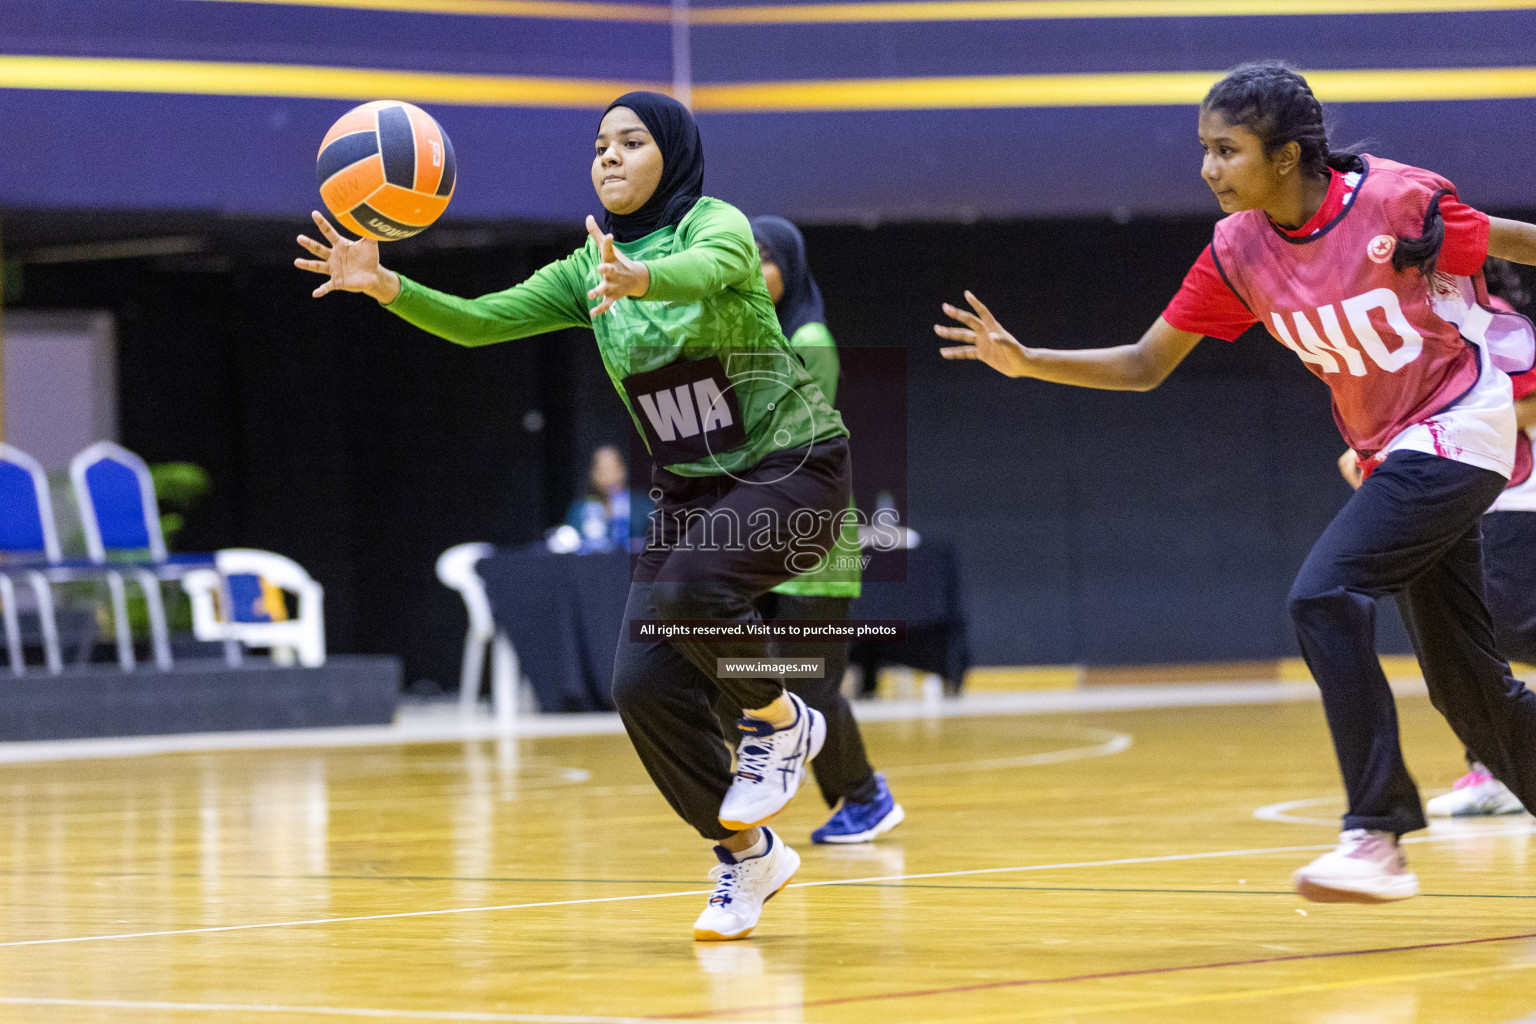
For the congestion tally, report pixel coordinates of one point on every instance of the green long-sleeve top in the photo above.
(840, 573)
(706, 298)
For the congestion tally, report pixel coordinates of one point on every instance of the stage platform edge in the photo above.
(199, 696)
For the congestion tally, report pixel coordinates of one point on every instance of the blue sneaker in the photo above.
(859, 823)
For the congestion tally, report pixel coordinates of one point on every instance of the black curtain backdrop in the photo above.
(1093, 527)
(1096, 527)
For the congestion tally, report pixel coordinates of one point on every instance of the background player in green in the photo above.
(864, 806)
(741, 435)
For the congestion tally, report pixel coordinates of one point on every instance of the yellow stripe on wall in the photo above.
(1114, 90)
(911, 10)
(953, 93)
(1050, 10)
(1182, 88)
(211, 78)
(569, 10)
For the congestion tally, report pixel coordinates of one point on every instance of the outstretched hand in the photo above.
(621, 276)
(982, 338)
(349, 266)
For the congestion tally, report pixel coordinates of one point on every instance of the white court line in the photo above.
(1480, 834)
(431, 730)
(351, 1011)
(1113, 743)
(1110, 743)
(361, 917)
(449, 728)
(1119, 861)
(1282, 812)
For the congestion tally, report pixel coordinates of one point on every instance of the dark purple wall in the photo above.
(254, 155)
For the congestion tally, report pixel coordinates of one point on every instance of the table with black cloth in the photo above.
(563, 614)
(931, 601)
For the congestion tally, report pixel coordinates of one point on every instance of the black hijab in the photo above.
(682, 166)
(801, 302)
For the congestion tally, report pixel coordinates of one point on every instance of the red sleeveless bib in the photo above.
(1392, 347)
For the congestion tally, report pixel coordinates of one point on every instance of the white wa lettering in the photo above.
(1314, 349)
(713, 412)
(671, 413)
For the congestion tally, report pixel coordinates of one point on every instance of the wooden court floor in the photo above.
(1103, 867)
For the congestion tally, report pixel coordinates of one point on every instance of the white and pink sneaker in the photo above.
(1475, 795)
(1367, 867)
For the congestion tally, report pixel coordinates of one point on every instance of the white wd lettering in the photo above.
(1319, 348)
(437, 153)
(1322, 359)
(1358, 311)
(671, 413)
(1314, 349)
(1335, 341)
(713, 412)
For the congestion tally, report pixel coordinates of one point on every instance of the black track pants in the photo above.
(1413, 529)
(707, 557)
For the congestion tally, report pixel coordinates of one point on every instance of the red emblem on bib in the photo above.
(1380, 249)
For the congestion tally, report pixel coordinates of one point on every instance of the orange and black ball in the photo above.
(386, 170)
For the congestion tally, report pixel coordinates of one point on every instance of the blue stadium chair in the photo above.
(117, 505)
(29, 547)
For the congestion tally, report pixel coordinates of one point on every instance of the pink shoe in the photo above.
(1367, 867)
(1475, 795)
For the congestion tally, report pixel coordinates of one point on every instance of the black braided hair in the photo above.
(1424, 251)
(1272, 101)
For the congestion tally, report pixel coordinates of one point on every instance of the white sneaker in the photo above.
(1475, 794)
(1367, 867)
(770, 764)
(741, 889)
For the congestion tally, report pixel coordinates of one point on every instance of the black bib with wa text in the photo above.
(687, 410)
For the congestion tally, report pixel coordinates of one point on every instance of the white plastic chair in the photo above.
(456, 570)
(301, 638)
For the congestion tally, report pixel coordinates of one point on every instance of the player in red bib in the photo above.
(1370, 271)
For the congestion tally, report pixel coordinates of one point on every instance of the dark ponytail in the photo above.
(1423, 252)
(1272, 101)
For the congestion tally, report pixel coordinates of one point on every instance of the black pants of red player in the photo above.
(694, 567)
(1509, 573)
(1509, 569)
(842, 768)
(1412, 530)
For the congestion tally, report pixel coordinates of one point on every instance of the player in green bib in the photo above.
(752, 485)
(863, 805)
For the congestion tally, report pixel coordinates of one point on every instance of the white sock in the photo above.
(757, 849)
